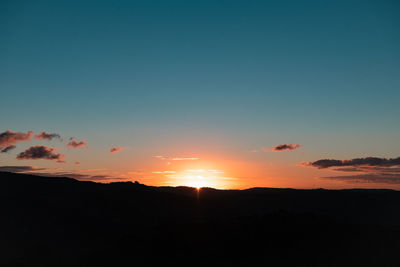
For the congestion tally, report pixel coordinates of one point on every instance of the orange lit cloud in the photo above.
(185, 158)
(175, 158)
(75, 144)
(116, 149)
(164, 172)
(10, 138)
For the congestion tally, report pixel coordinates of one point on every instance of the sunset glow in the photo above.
(202, 94)
(199, 133)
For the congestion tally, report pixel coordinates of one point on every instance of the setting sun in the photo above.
(197, 181)
(197, 178)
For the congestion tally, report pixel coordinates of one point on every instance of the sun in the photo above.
(197, 178)
(197, 181)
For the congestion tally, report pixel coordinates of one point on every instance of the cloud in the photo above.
(10, 138)
(175, 159)
(116, 149)
(385, 178)
(185, 158)
(55, 172)
(368, 161)
(85, 177)
(8, 148)
(285, 147)
(47, 136)
(75, 144)
(364, 170)
(164, 172)
(40, 152)
(21, 169)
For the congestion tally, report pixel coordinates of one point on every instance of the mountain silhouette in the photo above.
(48, 221)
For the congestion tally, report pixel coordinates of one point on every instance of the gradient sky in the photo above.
(218, 81)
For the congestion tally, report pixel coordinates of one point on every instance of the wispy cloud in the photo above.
(76, 144)
(384, 178)
(40, 152)
(160, 157)
(175, 158)
(95, 175)
(164, 172)
(21, 169)
(47, 136)
(7, 149)
(185, 158)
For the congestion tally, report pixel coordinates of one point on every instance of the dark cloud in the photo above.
(8, 148)
(285, 147)
(10, 138)
(75, 144)
(20, 169)
(40, 152)
(369, 161)
(363, 170)
(47, 136)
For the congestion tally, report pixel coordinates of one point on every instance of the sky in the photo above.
(203, 93)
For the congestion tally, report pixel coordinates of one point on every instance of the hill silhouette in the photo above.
(64, 222)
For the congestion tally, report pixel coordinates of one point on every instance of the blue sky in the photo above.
(231, 75)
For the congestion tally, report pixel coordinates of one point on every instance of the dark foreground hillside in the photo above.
(64, 222)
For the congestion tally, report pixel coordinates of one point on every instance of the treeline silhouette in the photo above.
(64, 222)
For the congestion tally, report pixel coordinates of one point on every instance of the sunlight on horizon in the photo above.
(198, 178)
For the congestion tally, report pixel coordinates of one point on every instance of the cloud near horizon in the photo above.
(382, 178)
(368, 161)
(369, 169)
(7, 149)
(76, 144)
(40, 152)
(48, 172)
(18, 169)
(10, 138)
